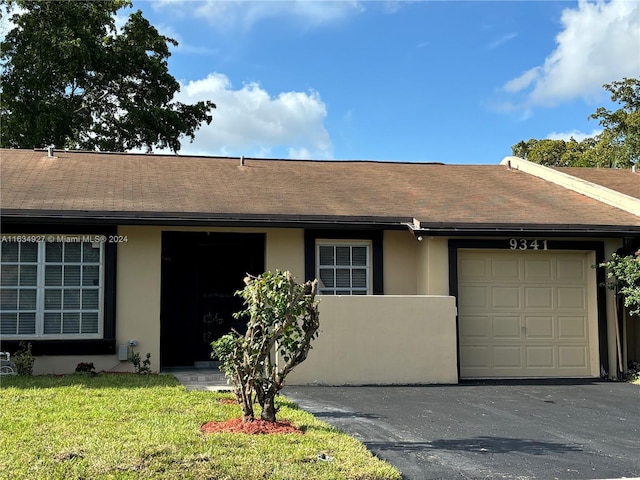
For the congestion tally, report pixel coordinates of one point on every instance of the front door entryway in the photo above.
(200, 273)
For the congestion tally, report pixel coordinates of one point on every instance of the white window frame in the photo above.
(324, 290)
(41, 287)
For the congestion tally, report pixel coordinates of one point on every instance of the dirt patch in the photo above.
(236, 425)
(228, 401)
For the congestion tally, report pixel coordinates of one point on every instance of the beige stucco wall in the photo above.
(433, 266)
(382, 340)
(399, 263)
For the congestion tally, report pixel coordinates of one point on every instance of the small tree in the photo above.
(283, 320)
(625, 270)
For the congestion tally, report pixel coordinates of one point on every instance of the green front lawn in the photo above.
(148, 427)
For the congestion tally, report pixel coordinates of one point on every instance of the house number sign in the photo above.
(526, 244)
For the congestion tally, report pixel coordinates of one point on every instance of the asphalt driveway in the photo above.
(565, 429)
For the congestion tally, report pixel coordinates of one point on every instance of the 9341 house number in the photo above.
(524, 244)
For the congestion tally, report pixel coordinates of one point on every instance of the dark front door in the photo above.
(200, 274)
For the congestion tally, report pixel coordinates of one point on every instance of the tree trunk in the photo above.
(269, 409)
(245, 399)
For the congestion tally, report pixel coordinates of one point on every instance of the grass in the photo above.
(148, 427)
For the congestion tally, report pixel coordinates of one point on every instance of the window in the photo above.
(51, 289)
(343, 268)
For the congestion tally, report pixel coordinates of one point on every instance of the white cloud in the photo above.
(502, 40)
(577, 135)
(599, 43)
(244, 14)
(249, 121)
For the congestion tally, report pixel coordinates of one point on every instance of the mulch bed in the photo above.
(236, 425)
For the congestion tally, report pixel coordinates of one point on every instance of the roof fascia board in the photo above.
(423, 228)
(584, 187)
(138, 218)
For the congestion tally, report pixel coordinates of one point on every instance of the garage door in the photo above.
(526, 314)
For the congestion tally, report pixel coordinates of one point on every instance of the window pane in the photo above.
(91, 276)
(359, 256)
(72, 252)
(27, 323)
(89, 299)
(71, 299)
(326, 255)
(52, 323)
(52, 299)
(29, 252)
(343, 277)
(53, 252)
(326, 292)
(343, 292)
(91, 254)
(8, 323)
(71, 275)
(29, 275)
(326, 277)
(9, 275)
(359, 278)
(27, 299)
(8, 299)
(343, 256)
(358, 292)
(89, 323)
(9, 252)
(53, 275)
(71, 323)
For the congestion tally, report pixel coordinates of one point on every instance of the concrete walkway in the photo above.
(206, 379)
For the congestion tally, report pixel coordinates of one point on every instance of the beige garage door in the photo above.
(525, 314)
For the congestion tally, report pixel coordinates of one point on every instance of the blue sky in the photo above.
(453, 82)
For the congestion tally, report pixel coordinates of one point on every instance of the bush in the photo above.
(142, 367)
(23, 360)
(625, 272)
(283, 320)
(86, 367)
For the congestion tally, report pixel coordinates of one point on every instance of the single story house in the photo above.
(429, 273)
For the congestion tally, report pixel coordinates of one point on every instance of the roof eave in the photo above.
(489, 229)
(198, 219)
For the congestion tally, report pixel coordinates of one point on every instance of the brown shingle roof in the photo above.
(117, 185)
(623, 181)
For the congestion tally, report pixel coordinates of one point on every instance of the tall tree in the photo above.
(71, 79)
(617, 146)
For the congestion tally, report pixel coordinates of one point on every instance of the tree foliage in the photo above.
(283, 319)
(71, 79)
(625, 272)
(618, 146)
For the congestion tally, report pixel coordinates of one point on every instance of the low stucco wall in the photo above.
(382, 340)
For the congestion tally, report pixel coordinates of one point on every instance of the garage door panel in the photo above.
(474, 327)
(505, 297)
(572, 298)
(538, 270)
(473, 267)
(474, 297)
(573, 356)
(574, 327)
(540, 356)
(539, 327)
(538, 298)
(523, 314)
(505, 269)
(506, 327)
(507, 356)
(571, 270)
(475, 357)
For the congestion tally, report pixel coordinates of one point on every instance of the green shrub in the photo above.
(23, 360)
